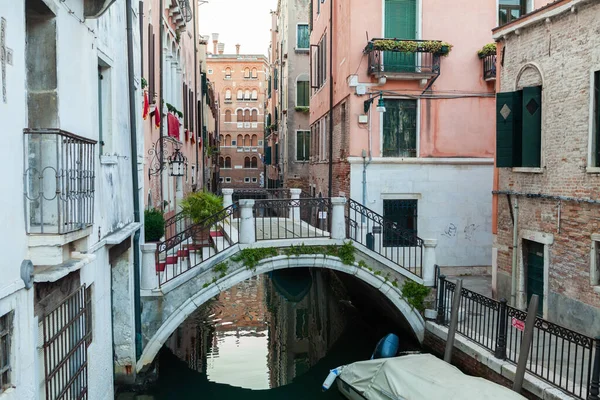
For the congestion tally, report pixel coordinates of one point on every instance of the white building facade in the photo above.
(68, 222)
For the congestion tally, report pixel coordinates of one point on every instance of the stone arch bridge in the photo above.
(255, 236)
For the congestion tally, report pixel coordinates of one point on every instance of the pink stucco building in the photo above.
(427, 161)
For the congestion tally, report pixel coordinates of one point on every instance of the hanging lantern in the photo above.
(177, 163)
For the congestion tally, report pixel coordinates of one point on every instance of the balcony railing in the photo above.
(408, 59)
(58, 181)
(489, 67)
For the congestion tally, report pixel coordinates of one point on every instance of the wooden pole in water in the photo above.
(453, 321)
(525, 343)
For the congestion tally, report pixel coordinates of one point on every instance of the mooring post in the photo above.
(501, 335)
(453, 321)
(441, 295)
(525, 344)
(594, 391)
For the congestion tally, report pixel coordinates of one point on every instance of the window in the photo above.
(240, 116)
(210, 71)
(254, 162)
(247, 94)
(151, 63)
(302, 145)
(227, 73)
(247, 73)
(254, 94)
(228, 94)
(302, 37)
(254, 141)
(221, 179)
(596, 122)
(247, 140)
(400, 128)
(318, 62)
(227, 162)
(5, 350)
(246, 162)
(533, 260)
(105, 109)
(227, 179)
(240, 94)
(227, 115)
(221, 162)
(403, 214)
(509, 10)
(254, 73)
(519, 128)
(247, 116)
(302, 94)
(254, 180)
(254, 117)
(234, 143)
(595, 261)
(246, 180)
(193, 174)
(240, 140)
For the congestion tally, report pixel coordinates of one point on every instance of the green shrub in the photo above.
(154, 225)
(200, 205)
(487, 50)
(415, 293)
(250, 257)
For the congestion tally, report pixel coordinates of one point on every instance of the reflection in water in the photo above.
(282, 331)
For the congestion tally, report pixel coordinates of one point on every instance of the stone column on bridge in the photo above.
(429, 261)
(149, 279)
(295, 210)
(247, 228)
(338, 219)
(227, 197)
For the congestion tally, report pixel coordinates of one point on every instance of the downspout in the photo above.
(135, 184)
(196, 89)
(330, 188)
(366, 164)
(201, 128)
(513, 285)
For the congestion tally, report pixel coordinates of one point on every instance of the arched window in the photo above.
(246, 115)
(221, 138)
(247, 94)
(254, 73)
(254, 141)
(246, 72)
(240, 140)
(254, 94)
(221, 162)
(302, 91)
(240, 94)
(227, 115)
(247, 162)
(247, 140)
(240, 116)
(227, 140)
(254, 116)
(227, 73)
(227, 162)
(254, 163)
(228, 94)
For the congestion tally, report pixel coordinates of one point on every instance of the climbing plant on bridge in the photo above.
(415, 293)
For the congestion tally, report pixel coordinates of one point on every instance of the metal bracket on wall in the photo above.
(27, 273)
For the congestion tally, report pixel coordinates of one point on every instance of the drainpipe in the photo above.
(330, 188)
(159, 107)
(135, 183)
(366, 164)
(513, 285)
(196, 88)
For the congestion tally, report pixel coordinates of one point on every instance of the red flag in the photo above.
(146, 110)
(157, 116)
(173, 125)
(192, 137)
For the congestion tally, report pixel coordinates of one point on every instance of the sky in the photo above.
(247, 22)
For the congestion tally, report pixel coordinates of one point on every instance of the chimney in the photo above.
(215, 37)
(221, 47)
(237, 49)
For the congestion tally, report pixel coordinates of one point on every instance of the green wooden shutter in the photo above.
(508, 129)
(268, 155)
(302, 88)
(276, 153)
(400, 23)
(306, 145)
(532, 127)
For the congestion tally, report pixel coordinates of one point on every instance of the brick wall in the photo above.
(467, 364)
(561, 55)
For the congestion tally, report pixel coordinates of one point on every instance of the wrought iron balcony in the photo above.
(489, 67)
(405, 59)
(180, 13)
(58, 181)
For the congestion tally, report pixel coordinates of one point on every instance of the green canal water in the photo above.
(274, 336)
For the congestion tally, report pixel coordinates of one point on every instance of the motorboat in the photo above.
(387, 347)
(413, 377)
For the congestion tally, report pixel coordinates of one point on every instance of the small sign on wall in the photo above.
(517, 323)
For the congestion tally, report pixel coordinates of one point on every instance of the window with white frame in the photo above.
(247, 94)
(302, 37)
(254, 94)
(254, 180)
(240, 94)
(302, 92)
(247, 180)
(595, 261)
(227, 179)
(302, 145)
(221, 179)
(228, 94)
(227, 73)
(6, 327)
(210, 71)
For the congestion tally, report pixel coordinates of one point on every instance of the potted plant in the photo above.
(487, 50)
(154, 225)
(198, 206)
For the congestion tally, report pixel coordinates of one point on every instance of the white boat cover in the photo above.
(419, 377)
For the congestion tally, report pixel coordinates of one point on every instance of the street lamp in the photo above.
(380, 103)
(177, 163)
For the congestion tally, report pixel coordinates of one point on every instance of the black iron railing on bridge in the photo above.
(558, 355)
(384, 237)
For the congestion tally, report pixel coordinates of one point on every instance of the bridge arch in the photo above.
(203, 294)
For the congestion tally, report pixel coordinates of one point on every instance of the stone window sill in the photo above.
(593, 170)
(530, 170)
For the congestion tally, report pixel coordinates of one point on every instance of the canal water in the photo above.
(274, 336)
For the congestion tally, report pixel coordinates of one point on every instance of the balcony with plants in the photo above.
(487, 55)
(406, 59)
